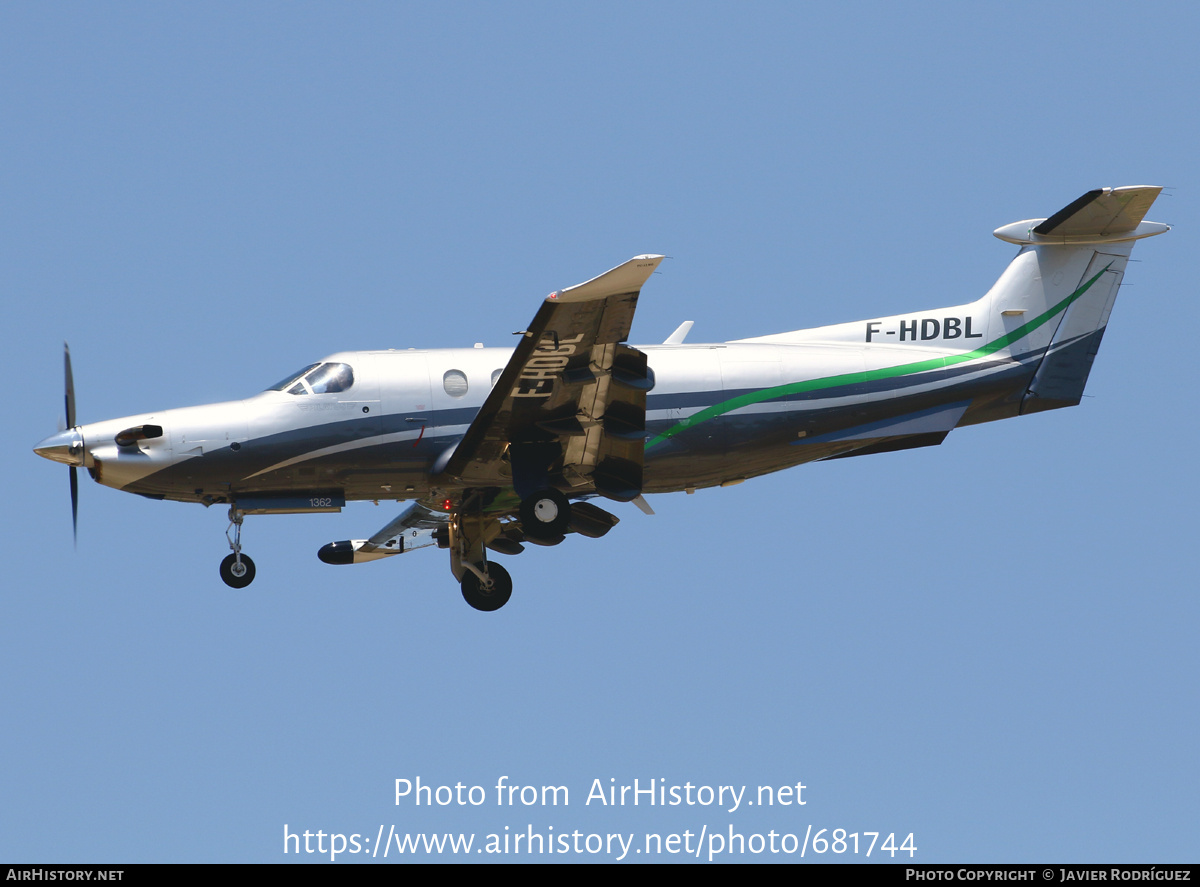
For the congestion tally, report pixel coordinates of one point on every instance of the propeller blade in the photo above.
(69, 387)
(69, 403)
(75, 503)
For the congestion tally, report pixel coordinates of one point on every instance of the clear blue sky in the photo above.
(990, 644)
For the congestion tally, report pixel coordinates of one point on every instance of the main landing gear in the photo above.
(545, 518)
(237, 570)
(485, 585)
(545, 515)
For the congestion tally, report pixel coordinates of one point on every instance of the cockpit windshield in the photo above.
(294, 377)
(317, 378)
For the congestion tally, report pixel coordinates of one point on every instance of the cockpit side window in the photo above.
(330, 377)
(318, 378)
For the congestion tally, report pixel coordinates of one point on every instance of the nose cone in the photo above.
(65, 447)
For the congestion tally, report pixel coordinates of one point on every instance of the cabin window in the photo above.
(455, 383)
(496, 377)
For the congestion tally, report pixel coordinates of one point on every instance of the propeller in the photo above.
(69, 403)
(67, 446)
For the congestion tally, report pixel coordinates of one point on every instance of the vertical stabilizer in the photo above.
(1056, 296)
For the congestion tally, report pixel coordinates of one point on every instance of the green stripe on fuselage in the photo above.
(903, 369)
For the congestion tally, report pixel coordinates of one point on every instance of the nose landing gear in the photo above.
(237, 570)
(486, 586)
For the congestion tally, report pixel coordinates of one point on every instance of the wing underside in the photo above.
(569, 409)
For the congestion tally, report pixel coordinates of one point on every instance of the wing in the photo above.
(569, 409)
(417, 516)
(413, 528)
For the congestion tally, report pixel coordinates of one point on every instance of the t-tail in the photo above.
(1055, 297)
(1046, 313)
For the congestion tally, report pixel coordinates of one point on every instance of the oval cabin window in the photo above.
(455, 383)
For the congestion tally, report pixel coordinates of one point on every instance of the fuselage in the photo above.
(717, 414)
(380, 425)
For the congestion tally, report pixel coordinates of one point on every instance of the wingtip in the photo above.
(624, 278)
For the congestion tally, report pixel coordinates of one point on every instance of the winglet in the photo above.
(677, 337)
(626, 278)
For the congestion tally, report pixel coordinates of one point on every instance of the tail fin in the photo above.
(1056, 295)
(1047, 311)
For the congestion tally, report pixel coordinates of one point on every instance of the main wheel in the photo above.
(237, 575)
(545, 515)
(487, 598)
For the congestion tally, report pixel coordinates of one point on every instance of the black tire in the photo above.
(230, 579)
(545, 515)
(487, 599)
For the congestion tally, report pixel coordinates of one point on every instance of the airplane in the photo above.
(500, 447)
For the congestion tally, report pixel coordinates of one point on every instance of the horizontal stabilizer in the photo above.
(1104, 215)
(1102, 211)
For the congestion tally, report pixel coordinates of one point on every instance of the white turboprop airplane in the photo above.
(498, 447)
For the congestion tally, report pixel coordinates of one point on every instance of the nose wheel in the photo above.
(486, 586)
(237, 570)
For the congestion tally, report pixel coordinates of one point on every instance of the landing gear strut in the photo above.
(237, 570)
(485, 585)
